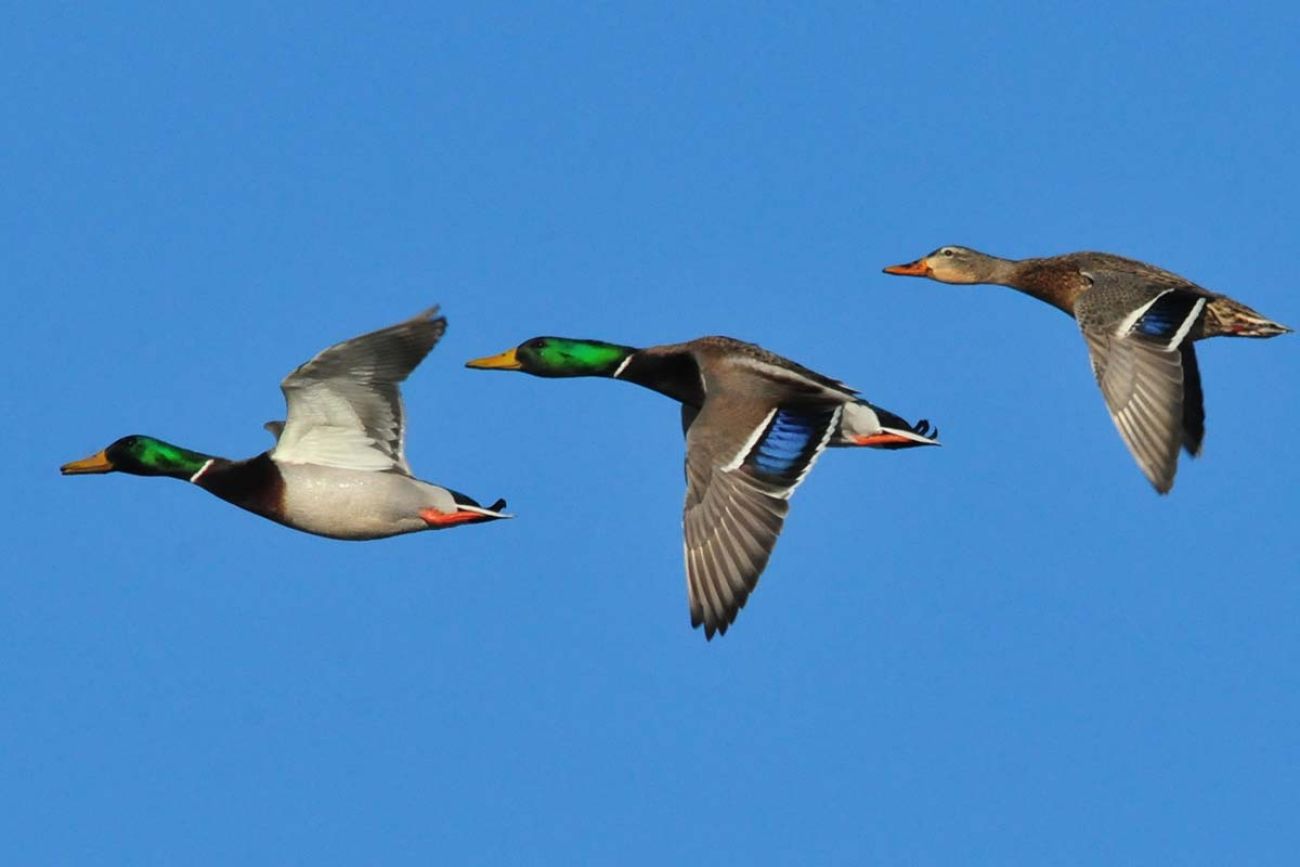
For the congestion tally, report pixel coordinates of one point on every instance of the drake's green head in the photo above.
(558, 356)
(140, 456)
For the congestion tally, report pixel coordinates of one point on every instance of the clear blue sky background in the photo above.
(1007, 650)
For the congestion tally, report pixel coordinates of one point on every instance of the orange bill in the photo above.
(96, 463)
(503, 361)
(919, 268)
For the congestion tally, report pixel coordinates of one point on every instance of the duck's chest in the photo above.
(254, 484)
(1058, 286)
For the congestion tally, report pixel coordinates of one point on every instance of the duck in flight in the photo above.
(755, 423)
(338, 468)
(1139, 322)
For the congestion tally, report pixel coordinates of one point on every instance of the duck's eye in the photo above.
(947, 251)
(537, 344)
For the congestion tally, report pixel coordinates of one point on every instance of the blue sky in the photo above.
(1007, 650)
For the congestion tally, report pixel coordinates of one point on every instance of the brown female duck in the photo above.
(1139, 322)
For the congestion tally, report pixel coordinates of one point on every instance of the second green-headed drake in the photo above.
(1139, 322)
(755, 423)
(338, 468)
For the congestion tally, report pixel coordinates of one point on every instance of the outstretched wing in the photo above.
(1147, 371)
(345, 408)
(743, 461)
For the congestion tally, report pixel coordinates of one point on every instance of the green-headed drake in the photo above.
(1139, 322)
(755, 424)
(338, 467)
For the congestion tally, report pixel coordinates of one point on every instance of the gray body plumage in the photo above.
(358, 504)
(734, 509)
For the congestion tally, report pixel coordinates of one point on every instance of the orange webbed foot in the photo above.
(884, 440)
(438, 520)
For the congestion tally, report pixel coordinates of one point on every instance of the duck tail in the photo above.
(489, 513)
(1229, 318)
(904, 436)
(467, 512)
(865, 425)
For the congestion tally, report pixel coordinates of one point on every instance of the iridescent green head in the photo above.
(558, 356)
(140, 456)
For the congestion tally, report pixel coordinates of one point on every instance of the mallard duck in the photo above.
(1139, 322)
(337, 468)
(755, 423)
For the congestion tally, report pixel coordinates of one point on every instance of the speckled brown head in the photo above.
(954, 264)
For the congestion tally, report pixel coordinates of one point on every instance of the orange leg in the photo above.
(435, 519)
(884, 439)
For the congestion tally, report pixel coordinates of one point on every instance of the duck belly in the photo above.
(356, 505)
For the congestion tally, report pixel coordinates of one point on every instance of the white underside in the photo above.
(352, 504)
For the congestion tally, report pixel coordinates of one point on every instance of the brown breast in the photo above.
(254, 484)
(1057, 283)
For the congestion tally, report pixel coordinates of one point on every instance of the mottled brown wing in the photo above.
(1142, 383)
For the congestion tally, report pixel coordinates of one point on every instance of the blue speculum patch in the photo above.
(790, 441)
(1166, 315)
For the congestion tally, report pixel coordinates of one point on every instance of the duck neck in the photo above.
(1045, 281)
(675, 375)
(255, 484)
(1001, 272)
